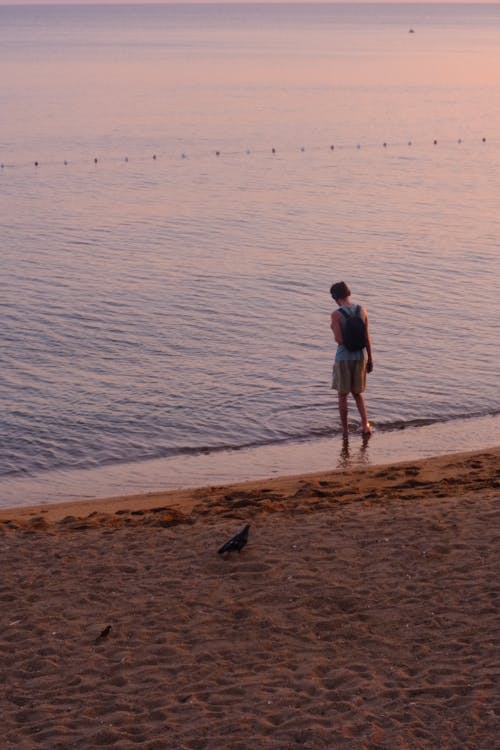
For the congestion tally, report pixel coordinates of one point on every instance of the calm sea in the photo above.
(180, 185)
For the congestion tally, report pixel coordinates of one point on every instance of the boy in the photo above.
(350, 367)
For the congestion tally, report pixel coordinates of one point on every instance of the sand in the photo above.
(363, 613)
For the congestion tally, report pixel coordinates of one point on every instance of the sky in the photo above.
(185, 2)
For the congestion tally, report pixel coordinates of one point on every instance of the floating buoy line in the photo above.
(271, 151)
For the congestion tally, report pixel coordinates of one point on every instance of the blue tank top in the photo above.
(344, 354)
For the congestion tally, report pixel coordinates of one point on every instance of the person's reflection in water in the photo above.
(344, 454)
(348, 459)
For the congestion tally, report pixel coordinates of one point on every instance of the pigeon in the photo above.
(237, 542)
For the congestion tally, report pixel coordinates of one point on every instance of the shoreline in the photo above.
(252, 464)
(448, 473)
(361, 614)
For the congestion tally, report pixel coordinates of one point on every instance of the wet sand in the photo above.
(363, 613)
(251, 464)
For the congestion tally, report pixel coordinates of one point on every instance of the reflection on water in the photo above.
(358, 457)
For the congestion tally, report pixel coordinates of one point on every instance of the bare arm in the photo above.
(335, 326)
(369, 361)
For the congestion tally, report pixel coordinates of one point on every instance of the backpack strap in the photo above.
(347, 315)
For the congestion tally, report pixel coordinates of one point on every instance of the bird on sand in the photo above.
(237, 543)
(103, 634)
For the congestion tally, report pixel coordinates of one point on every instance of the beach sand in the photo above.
(363, 613)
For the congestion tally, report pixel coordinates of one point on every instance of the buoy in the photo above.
(274, 151)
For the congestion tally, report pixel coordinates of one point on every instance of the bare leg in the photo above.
(343, 412)
(360, 403)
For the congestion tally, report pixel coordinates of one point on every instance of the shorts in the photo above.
(349, 376)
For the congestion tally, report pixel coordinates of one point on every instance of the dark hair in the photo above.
(340, 290)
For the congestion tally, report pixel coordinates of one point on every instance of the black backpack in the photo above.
(354, 330)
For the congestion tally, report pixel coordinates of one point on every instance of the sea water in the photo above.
(180, 185)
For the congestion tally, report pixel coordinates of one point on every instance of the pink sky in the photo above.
(185, 2)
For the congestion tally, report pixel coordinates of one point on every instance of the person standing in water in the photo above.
(350, 366)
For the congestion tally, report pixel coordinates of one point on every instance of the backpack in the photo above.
(354, 330)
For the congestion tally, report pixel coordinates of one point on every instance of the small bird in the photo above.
(237, 542)
(103, 634)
